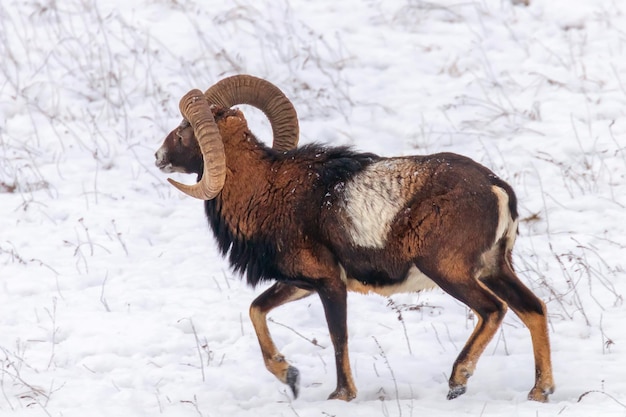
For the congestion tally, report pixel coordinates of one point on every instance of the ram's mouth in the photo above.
(161, 162)
(167, 167)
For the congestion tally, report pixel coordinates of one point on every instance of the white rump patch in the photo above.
(507, 227)
(372, 200)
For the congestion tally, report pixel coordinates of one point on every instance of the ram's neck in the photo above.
(246, 187)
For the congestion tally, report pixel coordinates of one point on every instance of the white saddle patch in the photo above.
(374, 197)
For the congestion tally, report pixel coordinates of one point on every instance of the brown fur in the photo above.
(285, 217)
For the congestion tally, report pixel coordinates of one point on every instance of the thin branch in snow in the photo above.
(198, 347)
(323, 362)
(53, 318)
(393, 376)
(606, 342)
(103, 300)
(226, 279)
(503, 338)
(584, 394)
(437, 336)
(450, 336)
(195, 335)
(194, 403)
(118, 236)
(312, 341)
(394, 307)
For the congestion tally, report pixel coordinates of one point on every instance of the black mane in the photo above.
(257, 256)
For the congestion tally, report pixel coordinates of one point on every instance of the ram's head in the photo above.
(197, 141)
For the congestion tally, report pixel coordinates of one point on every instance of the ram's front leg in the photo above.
(277, 295)
(333, 294)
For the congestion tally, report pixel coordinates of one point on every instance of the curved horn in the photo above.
(195, 108)
(257, 92)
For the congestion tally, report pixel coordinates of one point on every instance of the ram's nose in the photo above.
(159, 158)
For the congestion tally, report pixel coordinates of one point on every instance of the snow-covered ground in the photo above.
(113, 299)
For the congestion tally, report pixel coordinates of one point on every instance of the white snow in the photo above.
(113, 298)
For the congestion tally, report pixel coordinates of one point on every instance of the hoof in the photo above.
(344, 394)
(456, 391)
(540, 395)
(293, 380)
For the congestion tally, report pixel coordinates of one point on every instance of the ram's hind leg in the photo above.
(489, 309)
(277, 295)
(532, 311)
